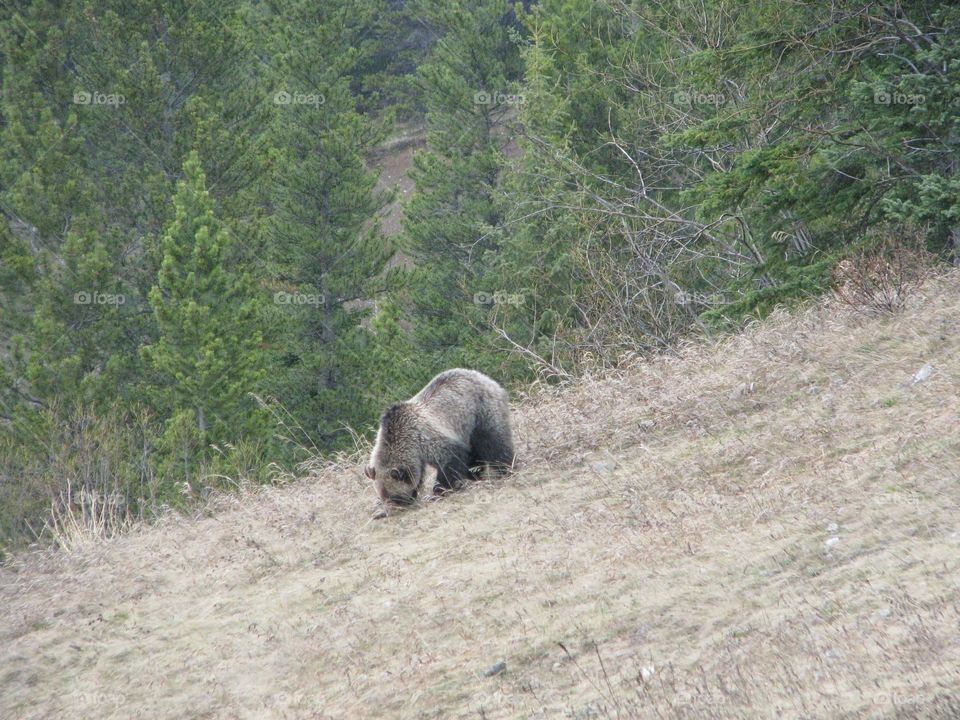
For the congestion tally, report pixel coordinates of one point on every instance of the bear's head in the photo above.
(396, 466)
(395, 485)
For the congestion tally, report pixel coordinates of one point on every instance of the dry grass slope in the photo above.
(763, 527)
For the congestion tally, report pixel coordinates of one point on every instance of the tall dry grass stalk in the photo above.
(79, 516)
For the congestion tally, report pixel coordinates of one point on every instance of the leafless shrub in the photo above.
(880, 280)
(637, 300)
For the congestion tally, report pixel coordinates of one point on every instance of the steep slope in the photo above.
(765, 526)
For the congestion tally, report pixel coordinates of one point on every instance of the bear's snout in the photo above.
(401, 500)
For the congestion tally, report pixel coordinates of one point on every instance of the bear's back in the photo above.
(455, 400)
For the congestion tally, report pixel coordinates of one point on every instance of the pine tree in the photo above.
(536, 264)
(68, 330)
(207, 359)
(100, 106)
(449, 223)
(324, 246)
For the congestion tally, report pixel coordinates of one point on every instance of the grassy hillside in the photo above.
(765, 526)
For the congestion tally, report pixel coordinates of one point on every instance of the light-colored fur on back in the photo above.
(446, 401)
(461, 418)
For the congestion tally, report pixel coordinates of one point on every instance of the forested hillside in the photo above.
(196, 286)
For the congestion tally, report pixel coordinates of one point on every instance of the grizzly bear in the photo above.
(458, 423)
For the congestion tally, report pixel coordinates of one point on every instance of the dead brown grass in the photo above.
(762, 527)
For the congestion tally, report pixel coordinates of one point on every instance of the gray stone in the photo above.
(495, 669)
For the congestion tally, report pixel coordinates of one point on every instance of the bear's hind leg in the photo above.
(493, 450)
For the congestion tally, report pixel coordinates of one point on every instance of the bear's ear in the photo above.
(370, 472)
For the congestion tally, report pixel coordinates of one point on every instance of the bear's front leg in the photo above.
(453, 473)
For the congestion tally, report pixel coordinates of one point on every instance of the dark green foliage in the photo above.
(324, 246)
(468, 87)
(207, 361)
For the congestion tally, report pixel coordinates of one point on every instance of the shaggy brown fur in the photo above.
(458, 422)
